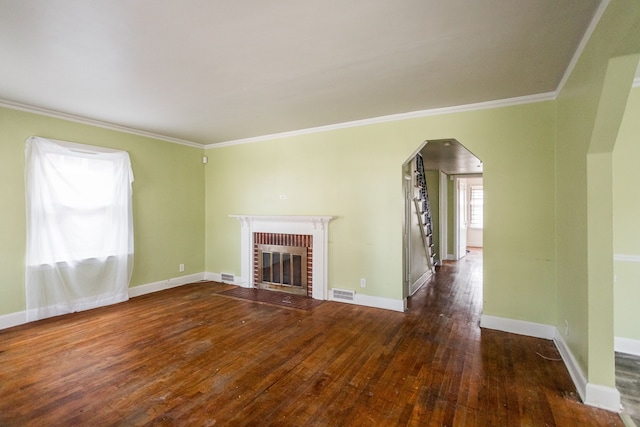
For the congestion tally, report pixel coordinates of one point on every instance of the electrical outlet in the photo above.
(363, 283)
(566, 328)
(181, 267)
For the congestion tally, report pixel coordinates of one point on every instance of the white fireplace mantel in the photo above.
(316, 226)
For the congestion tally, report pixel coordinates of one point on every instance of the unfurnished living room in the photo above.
(319, 213)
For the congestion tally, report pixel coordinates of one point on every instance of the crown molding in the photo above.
(84, 120)
(528, 99)
(583, 43)
(548, 96)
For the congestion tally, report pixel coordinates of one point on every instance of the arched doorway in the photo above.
(453, 179)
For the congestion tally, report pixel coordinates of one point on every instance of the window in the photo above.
(476, 205)
(78, 209)
(79, 226)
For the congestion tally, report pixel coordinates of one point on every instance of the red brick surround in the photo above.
(299, 240)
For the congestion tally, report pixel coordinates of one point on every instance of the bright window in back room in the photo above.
(476, 206)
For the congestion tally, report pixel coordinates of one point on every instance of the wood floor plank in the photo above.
(628, 382)
(191, 356)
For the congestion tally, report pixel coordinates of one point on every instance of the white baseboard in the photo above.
(591, 394)
(375, 302)
(575, 371)
(19, 318)
(421, 281)
(380, 302)
(217, 277)
(137, 291)
(360, 299)
(519, 327)
(626, 345)
(13, 319)
(603, 397)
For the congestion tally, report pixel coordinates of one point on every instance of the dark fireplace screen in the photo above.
(283, 268)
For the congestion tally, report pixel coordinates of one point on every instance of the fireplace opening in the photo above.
(282, 268)
(282, 262)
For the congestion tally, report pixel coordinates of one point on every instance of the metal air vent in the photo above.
(343, 294)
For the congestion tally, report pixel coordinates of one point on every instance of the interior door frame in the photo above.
(442, 216)
(457, 217)
(407, 187)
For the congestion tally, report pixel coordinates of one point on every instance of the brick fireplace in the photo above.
(283, 262)
(266, 239)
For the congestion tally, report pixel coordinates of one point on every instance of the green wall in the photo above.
(626, 222)
(355, 174)
(168, 200)
(589, 111)
(551, 220)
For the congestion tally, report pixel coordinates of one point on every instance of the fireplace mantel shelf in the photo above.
(285, 218)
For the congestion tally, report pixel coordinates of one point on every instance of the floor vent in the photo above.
(227, 277)
(343, 294)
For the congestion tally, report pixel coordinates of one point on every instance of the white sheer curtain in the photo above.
(79, 227)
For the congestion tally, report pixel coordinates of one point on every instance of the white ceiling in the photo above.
(209, 71)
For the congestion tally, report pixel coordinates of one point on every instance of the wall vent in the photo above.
(227, 277)
(342, 294)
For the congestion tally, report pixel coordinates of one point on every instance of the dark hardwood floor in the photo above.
(192, 356)
(628, 383)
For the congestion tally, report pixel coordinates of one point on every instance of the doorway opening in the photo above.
(455, 187)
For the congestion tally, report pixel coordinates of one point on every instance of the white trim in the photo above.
(636, 82)
(528, 99)
(148, 288)
(520, 327)
(456, 219)
(13, 319)
(20, 317)
(359, 299)
(627, 420)
(137, 291)
(539, 330)
(217, 277)
(575, 371)
(415, 286)
(442, 212)
(603, 397)
(98, 123)
(626, 258)
(591, 394)
(583, 43)
(375, 302)
(626, 345)
(316, 226)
